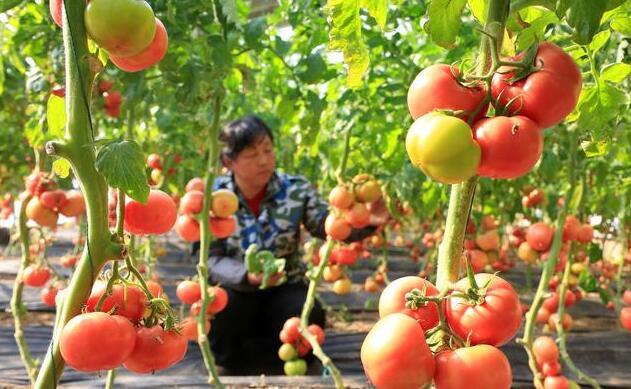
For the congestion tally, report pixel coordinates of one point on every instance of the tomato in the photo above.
(539, 236)
(156, 349)
(157, 216)
(187, 228)
(542, 316)
(287, 352)
(478, 260)
(36, 276)
(291, 330)
(566, 322)
(527, 254)
(129, 301)
(344, 256)
(112, 99)
(149, 56)
(625, 318)
(52, 199)
(494, 321)
(437, 88)
(220, 300)
(443, 148)
(97, 341)
(552, 302)
(74, 204)
(188, 292)
(189, 328)
(510, 146)
(368, 191)
(392, 300)
(585, 233)
(105, 85)
(536, 99)
(342, 286)
(224, 203)
(122, 27)
(336, 227)
(295, 367)
(318, 332)
(332, 273)
(195, 184)
(489, 240)
(626, 297)
(222, 227)
(41, 215)
(341, 198)
(395, 355)
(558, 382)
(48, 295)
(370, 285)
(192, 202)
(55, 7)
(154, 161)
(358, 216)
(571, 228)
(545, 350)
(155, 288)
(480, 366)
(551, 368)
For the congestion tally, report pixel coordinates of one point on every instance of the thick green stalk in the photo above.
(111, 376)
(206, 237)
(78, 150)
(17, 307)
(450, 250)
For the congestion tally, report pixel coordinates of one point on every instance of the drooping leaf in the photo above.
(444, 21)
(122, 163)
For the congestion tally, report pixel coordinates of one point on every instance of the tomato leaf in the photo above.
(122, 163)
(536, 31)
(56, 116)
(479, 9)
(6, 5)
(1, 75)
(593, 148)
(584, 16)
(444, 21)
(253, 32)
(616, 72)
(621, 24)
(235, 11)
(597, 106)
(599, 40)
(378, 9)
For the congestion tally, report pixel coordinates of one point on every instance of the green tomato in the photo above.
(295, 367)
(122, 27)
(443, 148)
(287, 352)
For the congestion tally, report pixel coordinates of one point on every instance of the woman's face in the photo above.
(255, 164)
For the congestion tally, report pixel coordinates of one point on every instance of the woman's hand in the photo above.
(379, 214)
(257, 279)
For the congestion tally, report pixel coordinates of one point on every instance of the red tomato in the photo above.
(437, 88)
(291, 330)
(358, 216)
(542, 315)
(566, 322)
(625, 318)
(154, 161)
(74, 204)
(571, 228)
(395, 355)
(189, 328)
(510, 146)
(222, 227)
(195, 183)
(494, 321)
(220, 299)
(56, 11)
(48, 295)
(157, 216)
(536, 99)
(344, 256)
(558, 382)
(36, 276)
(187, 228)
(551, 368)
(129, 301)
(585, 233)
(626, 297)
(112, 99)
(317, 331)
(392, 300)
(97, 341)
(149, 56)
(336, 227)
(539, 236)
(156, 350)
(188, 292)
(192, 202)
(552, 302)
(53, 199)
(155, 288)
(480, 366)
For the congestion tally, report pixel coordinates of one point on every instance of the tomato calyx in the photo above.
(523, 67)
(416, 298)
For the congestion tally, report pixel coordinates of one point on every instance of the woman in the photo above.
(272, 208)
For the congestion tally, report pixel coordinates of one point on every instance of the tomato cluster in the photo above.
(546, 355)
(6, 206)
(451, 140)
(47, 203)
(395, 353)
(224, 204)
(189, 292)
(295, 345)
(484, 251)
(352, 203)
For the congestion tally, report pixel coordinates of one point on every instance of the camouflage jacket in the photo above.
(289, 202)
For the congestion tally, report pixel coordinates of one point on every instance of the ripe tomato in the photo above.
(52, 199)
(192, 202)
(358, 216)
(189, 328)
(195, 183)
(224, 203)
(149, 56)
(295, 367)
(571, 228)
(291, 330)
(156, 349)
(395, 355)
(478, 260)
(551, 368)
(480, 366)
(188, 292)
(122, 27)
(342, 286)
(542, 315)
(220, 299)
(74, 204)
(97, 341)
(585, 233)
(41, 215)
(187, 228)
(129, 301)
(287, 352)
(539, 236)
(552, 302)
(510, 146)
(546, 106)
(336, 227)
(494, 321)
(527, 254)
(48, 295)
(318, 332)
(344, 256)
(36, 276)
(490, 240)
(437, 88)
(392, 300)
(341, 198)
(154, 161)
(56, 11)
(370, 285)
(443, 148)
(566, 322)
(625, 318)
(157, 216)
(222, 227)
(332, 273)
(545, 350)
(558, 382)
(626, 297)
(155, 288)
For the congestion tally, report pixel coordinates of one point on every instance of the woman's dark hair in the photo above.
(243, 133)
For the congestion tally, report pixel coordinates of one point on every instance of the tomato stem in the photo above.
(111, 376)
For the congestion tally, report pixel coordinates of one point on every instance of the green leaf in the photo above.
(345, 35)
(479, 9)
(616, 72)
(253, 32)
(576, 199)
(6, 5)
(315, 69)
(593, 148)
(584, 16)
(597, 106)
(594, 252)
(231, 11)
(536, 31)
(378, 9)
(1, 75)
(599, 40)
(622, 24)
(444, 21)
(56, 116)
(61, 167)
(122, 163)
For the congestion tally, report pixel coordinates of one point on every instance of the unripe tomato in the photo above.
(74, 204)
(443, 148)
(332, 273)
(122, 27)
(556, 382)
(156, 216)
(527, 254)
(342, 286)
(149, 56)
(295, 367)
(368, 191)
(55, 7)
(340, 197)
(489, 240)
(542, 315)
(224, 203)
(358, 216)
(370, 285)
(41, 215)
(287, 352)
